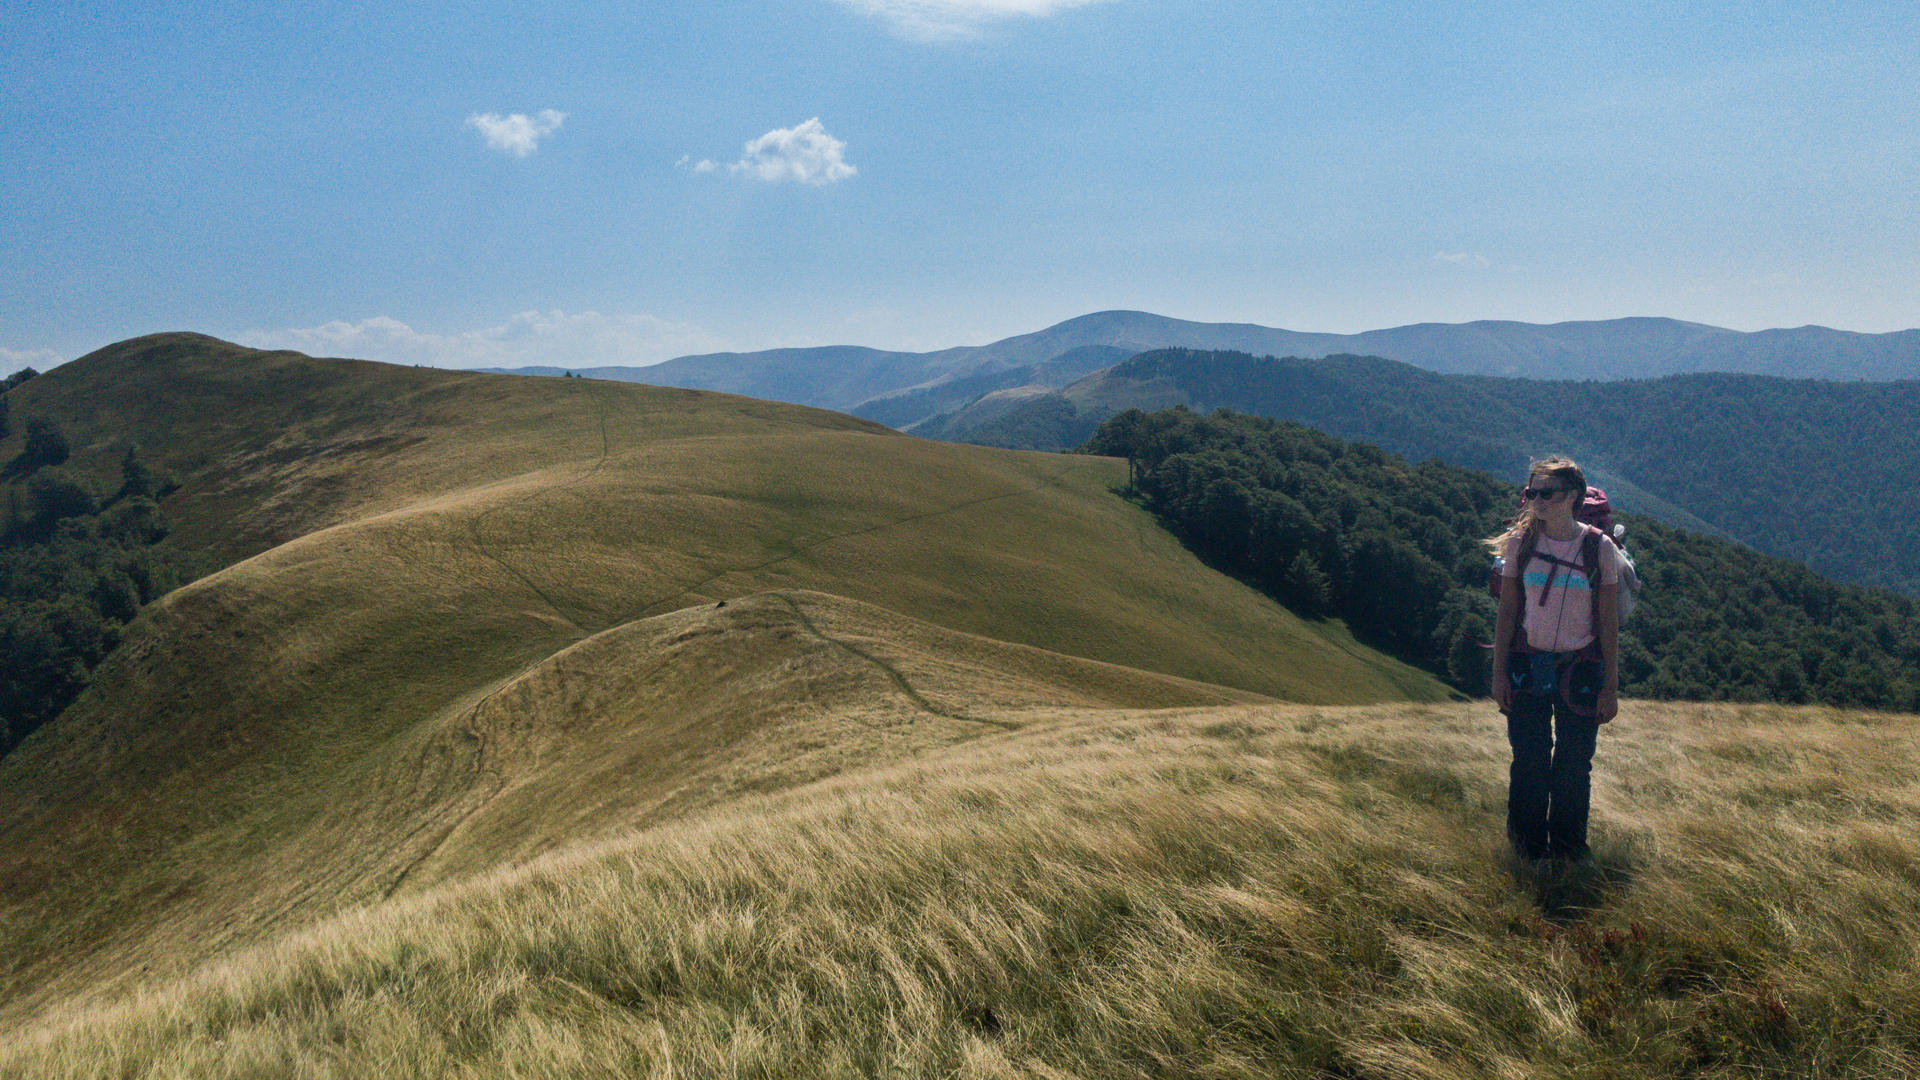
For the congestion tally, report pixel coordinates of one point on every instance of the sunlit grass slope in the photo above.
(581, 504)
(1238, 891)
(458, 639)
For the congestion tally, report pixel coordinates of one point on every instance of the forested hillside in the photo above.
(76, 564)
(1346, 529)
(1799, 468)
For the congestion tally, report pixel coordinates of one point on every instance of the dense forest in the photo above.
(1806, 469)
(1345, 529)
(76, 564)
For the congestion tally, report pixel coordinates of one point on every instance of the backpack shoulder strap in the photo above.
(1590, 554)
(1527, 544)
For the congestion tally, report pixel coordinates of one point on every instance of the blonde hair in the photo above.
(1558, 468)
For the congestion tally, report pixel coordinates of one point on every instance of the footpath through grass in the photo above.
(1247, 891)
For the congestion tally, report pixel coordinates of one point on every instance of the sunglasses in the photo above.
(1544, 494)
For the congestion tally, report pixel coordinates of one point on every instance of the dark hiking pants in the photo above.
(1549, 786)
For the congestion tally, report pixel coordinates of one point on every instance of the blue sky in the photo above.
(584, 184)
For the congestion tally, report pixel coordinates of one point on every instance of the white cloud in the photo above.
(531, 338)
(516, 134)
(702, 166)
(804, 154)
(1462, 258)
(951, 20)
(12, 360)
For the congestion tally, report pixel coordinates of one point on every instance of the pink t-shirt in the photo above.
(1565, 622)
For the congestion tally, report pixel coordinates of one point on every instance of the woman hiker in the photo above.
(1556, 659)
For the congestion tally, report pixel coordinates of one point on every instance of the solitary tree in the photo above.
(46, 443)
(55, 495)
(136, 480)
(1307, 586)
(1467, 662)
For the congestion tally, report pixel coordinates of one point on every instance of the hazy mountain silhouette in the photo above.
(868, 381)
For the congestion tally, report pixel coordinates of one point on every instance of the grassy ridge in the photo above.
(320, 724)
(272, 445)
(601, 502)
(1248, 891)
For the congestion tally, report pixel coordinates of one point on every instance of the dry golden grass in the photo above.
(637, 725)
(1226, 891)
(323, 722)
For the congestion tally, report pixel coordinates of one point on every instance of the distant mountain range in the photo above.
(905, 388)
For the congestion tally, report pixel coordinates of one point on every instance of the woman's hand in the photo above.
(1608, 706)
(1502, 687)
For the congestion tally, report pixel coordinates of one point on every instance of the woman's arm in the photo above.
(1513, 596)
(1610, 651)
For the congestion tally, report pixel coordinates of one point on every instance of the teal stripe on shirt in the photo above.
(1573, 579)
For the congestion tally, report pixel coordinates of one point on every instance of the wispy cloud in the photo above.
(804, 154)
(1462, 258)
(531, 338)
(516, 134)
(951, 20)
(702, 166)
(12, 360)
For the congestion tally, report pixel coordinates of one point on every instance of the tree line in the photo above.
(76, 565)
(1345, 529)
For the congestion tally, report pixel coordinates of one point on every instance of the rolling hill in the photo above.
(465, 618)
(902, 389)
